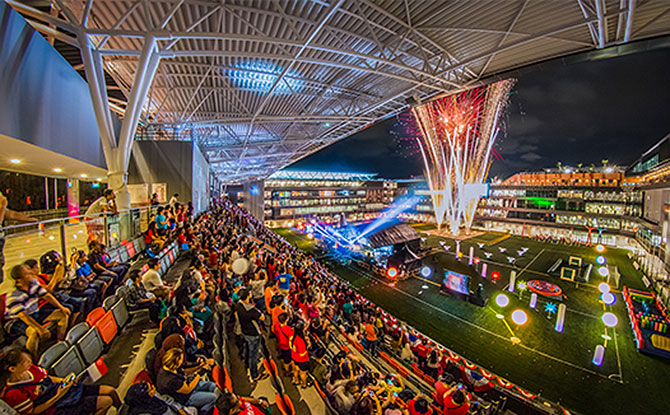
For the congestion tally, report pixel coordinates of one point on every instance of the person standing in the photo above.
(6, 213)
(174, 199)
(104, 204)
(250, 319)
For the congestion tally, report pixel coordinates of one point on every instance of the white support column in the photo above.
(117, 152)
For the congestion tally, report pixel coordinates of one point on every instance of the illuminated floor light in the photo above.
(604, 287)
(392, 272)
(603, 271)
(601, 260)
(608, 298)
(610, 319)
(600, 248)
(426, 272)
(502, 300)
(519, 317)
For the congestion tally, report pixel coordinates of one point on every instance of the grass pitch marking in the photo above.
(485, 330)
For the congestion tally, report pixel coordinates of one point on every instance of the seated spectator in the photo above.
(153, 282)
(456, 401)
(75, 305)
(120, 268)
(366, 404)
(419, 406)
(142, 399)
(52, 267)
(345, 396)
(99, 282)
(190, 391)
(182, 240)
(24, 317)
(317, 366)
(140, 299)
(153, 241)
(391, 407)
(232, 404)
(97, 263)
(30, 390)
(192, 363)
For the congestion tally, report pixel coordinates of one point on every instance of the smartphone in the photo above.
(68, 379)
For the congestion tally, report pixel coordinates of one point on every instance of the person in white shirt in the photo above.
(94, 223)
(174, 199)
(153, 282)
(105, 203)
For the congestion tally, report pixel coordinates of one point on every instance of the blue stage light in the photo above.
(601, 260)
(426, 272)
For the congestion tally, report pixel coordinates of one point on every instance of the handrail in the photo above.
(78, 217)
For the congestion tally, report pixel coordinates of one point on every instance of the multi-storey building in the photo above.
(328, 196)
(569, 204)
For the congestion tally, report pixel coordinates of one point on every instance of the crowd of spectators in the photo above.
(279, 302)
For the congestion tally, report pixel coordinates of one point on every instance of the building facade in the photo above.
(327, 196)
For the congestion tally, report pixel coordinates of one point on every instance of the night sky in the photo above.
(612, 109)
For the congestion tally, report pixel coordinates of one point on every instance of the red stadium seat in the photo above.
(142, 376)
(219, 378)
(104, 322)
(280, 404)
(95, 315)
(289, 405)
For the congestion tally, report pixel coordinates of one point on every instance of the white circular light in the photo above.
(610, 319)
(502, 300)
(603, 271)
(519, 317)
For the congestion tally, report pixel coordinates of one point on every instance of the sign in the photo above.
(161, 190)
(139, 193)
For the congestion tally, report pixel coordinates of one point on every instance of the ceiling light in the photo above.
(15, 161)
(83, 175)
(58, 170)
(99, 179)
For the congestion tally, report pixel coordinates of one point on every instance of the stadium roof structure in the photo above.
(260, 84)
(320, 175)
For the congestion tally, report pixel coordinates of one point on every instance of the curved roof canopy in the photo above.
(261, 84)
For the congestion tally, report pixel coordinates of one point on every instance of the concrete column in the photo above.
(72, 197)
(254, 198)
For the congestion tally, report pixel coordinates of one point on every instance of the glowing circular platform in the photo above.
(544, 288)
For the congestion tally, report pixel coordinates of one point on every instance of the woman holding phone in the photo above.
(30, 390)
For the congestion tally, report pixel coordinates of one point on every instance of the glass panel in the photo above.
(30, 243)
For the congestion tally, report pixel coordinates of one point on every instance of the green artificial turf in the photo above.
(558, 366)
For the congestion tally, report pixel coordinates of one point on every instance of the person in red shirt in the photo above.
(456, 401)
(284, 333)
(299, 355)
(232, 404)
(419, 406)
(30, 390)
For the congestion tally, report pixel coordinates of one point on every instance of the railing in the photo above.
(32, 240)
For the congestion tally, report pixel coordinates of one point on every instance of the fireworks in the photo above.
(456, 136)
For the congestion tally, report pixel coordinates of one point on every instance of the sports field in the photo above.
(558, 366)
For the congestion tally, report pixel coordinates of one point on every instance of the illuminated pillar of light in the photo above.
(456, 135)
